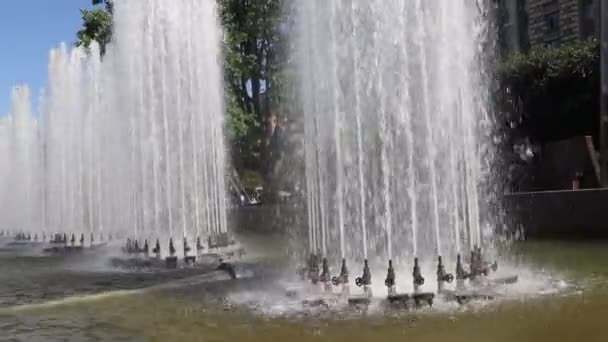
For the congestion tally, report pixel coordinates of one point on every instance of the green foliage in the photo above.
(243, 135)
(252, 59)
(554, 90)
(96, 26)
(254, 69)
(109, 4)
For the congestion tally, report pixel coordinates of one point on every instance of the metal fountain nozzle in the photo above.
(65, 238)
(171, 247)
(418, 278)
(92, 239)
(186, 247)
(442, 276)
(342, 279)
(302, 271)
(156, 249)
(82, 239)
(35, 237)
(146, 247)
(487, 268)
(325, 276)
(136, 247)
(73, 239)
(473, 269)
(390, 276)
(461, 274)
(366, 278)
(310, 261)
(313, 268)
(478, 266)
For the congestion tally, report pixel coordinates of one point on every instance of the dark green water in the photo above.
(203, 310)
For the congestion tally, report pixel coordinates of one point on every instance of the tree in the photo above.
(96, 25)
(552, 93)
(252, 53)
(546, 95)
(254, 61)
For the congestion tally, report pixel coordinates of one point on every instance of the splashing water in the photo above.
(395, 122)
(130, 143)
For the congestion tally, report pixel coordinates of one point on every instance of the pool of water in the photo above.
(57, 299)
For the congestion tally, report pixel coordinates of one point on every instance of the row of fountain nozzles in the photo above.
(58, 238)
(477, 268)
(132, 246)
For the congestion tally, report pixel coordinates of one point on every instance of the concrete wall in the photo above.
(568, 213)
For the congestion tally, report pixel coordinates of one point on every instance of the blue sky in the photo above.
(28, 30)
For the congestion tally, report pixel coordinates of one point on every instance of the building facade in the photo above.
(512, 20)
(557, 22)
(530, 23)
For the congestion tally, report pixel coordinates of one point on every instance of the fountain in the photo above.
(396, 126)
(20, 165)
(130, 143)
(397, 139)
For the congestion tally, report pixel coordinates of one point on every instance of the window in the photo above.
(552, 21)
(587, 9)
(552, 30)
(551, 11)
(589, 15)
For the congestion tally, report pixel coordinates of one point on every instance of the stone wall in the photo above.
(569, 20)
(268, 218)
(568, 213)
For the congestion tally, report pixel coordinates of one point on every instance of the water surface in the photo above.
(202, 310)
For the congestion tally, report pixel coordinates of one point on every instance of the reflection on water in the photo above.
(215, 311)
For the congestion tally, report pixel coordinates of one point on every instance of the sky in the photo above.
(29, 29)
